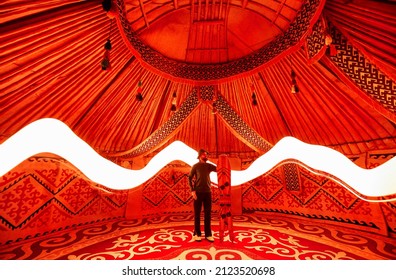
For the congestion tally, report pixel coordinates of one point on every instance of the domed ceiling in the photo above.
(206, 32)
(131, 76)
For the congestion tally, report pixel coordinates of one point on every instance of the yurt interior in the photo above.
(104, 106)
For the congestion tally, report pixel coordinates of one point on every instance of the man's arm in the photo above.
(190, 179)
(213, 168)
(191, 183)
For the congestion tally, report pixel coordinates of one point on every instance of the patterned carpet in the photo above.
(257, 236)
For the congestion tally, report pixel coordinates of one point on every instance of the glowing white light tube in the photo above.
(53, 136)
(379, 181)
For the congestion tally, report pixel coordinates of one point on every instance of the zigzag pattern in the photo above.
(306, 198)
(318, 198)
(51, 190)
(330, 202)
(367, 225)
(269, 190)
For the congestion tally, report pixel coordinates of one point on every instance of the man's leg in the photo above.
(197, 214)
(207, 213)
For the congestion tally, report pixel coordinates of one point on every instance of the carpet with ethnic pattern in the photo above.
(262, 237)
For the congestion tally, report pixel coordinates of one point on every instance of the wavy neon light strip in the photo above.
(53, 136)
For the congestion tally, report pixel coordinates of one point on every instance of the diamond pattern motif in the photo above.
(45, 194)
(22, 200)
(77, 195)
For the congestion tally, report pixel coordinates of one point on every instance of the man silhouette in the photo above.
(199, 181)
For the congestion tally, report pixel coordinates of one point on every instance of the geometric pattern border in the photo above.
(206, 94)
(315, 42)
(168, 192)
(239, 128)
(367, 76)
(165, 131)
(292, 178)
(319, 198)
(290, 38)
(48, 194)
(318, 217)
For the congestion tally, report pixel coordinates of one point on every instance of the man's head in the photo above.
(202, 155)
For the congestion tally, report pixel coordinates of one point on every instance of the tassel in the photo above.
(173, 107)
(330, 45)
(333, 50)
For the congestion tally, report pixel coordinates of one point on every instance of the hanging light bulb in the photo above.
(294, 87)
(105, 63)
(108, 45)
(106, 57)
(293, 74)
(173, 107)
(106, 5)
(139, 96)
(254, 99)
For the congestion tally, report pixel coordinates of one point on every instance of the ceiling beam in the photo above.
(144, 13)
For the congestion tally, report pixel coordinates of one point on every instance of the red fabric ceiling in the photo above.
(50, 67)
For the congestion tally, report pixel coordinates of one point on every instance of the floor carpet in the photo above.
(257, 236)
